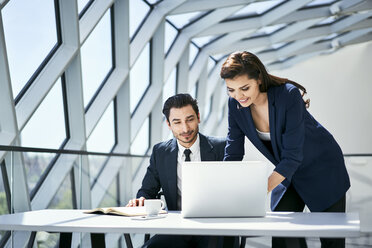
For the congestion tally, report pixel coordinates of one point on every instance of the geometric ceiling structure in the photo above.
(93, 75)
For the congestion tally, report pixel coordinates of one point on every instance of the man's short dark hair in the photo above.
(179, 101)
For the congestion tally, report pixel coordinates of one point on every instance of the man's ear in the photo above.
(198, 117)
(169, 125)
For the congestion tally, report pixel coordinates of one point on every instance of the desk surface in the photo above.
(274, 224)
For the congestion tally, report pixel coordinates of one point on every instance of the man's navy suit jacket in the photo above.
(162, 171)
(304, 152)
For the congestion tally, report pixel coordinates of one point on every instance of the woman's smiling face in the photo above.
(244, 90)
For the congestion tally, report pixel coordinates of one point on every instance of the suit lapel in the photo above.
(172, 171)
(272, 123)
(252, 135)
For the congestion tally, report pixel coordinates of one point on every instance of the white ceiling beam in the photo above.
(149, 27)
(190, 31)
(203, 5)
(295, 16)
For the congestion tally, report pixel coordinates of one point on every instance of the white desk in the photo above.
(284, 224)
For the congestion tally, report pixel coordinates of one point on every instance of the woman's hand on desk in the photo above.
(136, 202)
(274, 180)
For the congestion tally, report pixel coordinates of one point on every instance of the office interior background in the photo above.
(84, 75)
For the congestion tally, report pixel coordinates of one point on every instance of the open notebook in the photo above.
(124, 211)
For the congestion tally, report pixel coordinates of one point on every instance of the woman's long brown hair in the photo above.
(246, 63)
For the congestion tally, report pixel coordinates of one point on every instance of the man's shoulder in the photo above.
(164, 145)
(215, 140)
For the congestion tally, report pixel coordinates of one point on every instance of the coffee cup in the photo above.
(153, 206)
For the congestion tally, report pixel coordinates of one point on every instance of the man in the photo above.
(164, 171)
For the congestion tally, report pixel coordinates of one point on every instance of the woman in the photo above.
(271, 113)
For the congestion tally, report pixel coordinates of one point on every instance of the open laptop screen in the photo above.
(224, 189)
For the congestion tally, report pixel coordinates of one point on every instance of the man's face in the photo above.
(184, 124)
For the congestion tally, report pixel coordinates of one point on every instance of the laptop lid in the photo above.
(224, 189)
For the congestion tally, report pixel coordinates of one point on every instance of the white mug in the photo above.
(153, 206)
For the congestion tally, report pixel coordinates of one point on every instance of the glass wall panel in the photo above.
(194, 50)
(169, 88)
(30, 34)
(46, 128)
(169, 36)
(139, 77)
(96, 164)
(141, 143)
(202, 41)
(62, 200)
(207, 108)
(35, 164)
(96, 57)
(181, 20)
(3, 201)
(211, 64)
(137, 12)
(102, 138)
(82, 4)
(194, 91)
(111, 197)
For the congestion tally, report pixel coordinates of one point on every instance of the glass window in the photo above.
(270, 29)
(137, 12)
(141, 143)
(102, 138)
(62, 200)
(46, 128)
(82, 4)
(139, 77)
(30, 34)
(194, 50)
(96, 164)
(181, 20)
(219, 56)
(3, 201)
(96, 57)
(211, 64)
(169, 88)
(36, 164)
(111, 197)
(170, 34)
(194, 92)
(208, 108)
(201, 41)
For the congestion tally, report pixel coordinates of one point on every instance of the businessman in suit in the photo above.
(164, 172)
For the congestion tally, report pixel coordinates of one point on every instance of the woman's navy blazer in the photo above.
(304, 152)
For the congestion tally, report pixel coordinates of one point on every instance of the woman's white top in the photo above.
(263, 135)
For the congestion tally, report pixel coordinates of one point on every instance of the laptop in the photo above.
(224, 189)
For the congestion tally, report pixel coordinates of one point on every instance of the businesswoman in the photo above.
(271, 112)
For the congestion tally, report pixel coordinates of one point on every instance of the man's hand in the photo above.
(136, 202)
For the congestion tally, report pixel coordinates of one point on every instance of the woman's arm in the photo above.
(234, 150)
(293, 135)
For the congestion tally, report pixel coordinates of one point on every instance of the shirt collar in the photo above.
(194, 148)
